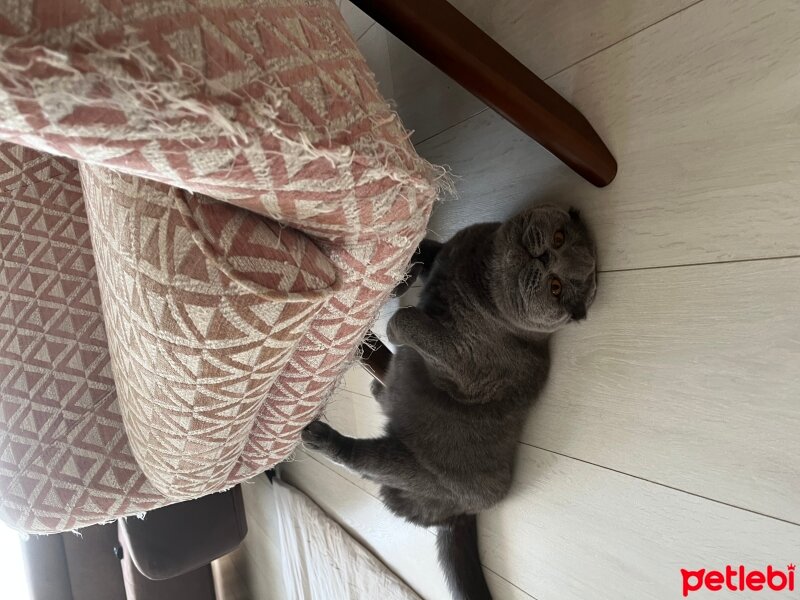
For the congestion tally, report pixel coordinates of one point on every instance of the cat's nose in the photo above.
(544, 257)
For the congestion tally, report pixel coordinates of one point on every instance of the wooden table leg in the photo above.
(375, 356)
(445, 37)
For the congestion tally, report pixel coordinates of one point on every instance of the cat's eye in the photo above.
(559, 238)
(555, 286)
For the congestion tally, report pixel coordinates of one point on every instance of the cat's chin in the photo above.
(517, 319)
(541, 329)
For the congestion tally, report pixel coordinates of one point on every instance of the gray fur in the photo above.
(473, 356)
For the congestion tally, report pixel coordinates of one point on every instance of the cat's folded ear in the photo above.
(575, 215)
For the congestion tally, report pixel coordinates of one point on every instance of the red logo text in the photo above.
(738, 579)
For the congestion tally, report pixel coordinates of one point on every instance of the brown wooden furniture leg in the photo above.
(375, 356)
(445, 37)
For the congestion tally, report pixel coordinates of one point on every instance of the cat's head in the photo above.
(544, 269)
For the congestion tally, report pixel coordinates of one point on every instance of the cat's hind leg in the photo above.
(384, 460)
(420, 509)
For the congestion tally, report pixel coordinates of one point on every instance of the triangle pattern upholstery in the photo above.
(203, 204)
(65, 460)
(204, 304)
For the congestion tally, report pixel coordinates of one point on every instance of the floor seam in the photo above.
(664, 485)
(511, 583)
(453, 126)
(627, 37)
(703, 264)
(363, 33)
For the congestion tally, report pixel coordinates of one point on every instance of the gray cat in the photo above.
(473, 356)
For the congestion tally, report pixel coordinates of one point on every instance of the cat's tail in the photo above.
(457, 541)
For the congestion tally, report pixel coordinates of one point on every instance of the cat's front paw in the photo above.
(317, 435)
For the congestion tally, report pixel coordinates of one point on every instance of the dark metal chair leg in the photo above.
(445, 37)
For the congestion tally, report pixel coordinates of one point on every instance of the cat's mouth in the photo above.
(543, 258)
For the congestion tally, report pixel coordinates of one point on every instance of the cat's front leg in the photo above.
(437, 345)
(412, 327)
(323, 438)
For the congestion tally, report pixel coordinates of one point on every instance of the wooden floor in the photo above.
(669, 434)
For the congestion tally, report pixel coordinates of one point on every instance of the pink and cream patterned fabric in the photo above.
(268, 105)
(205, 303)
(252, 201)
(64, 454)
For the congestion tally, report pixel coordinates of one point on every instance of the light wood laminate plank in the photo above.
(688, 377)
(701, 111)
(545, 36)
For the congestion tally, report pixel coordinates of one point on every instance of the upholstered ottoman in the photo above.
(202, 207)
